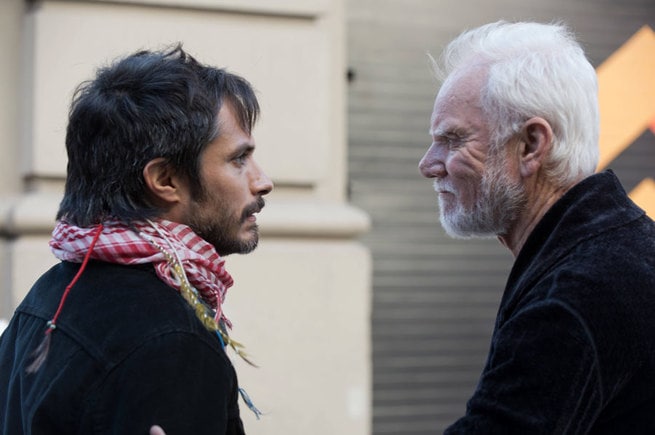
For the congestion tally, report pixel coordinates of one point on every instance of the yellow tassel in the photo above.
(202, 312)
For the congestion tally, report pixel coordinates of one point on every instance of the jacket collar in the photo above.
(595, 205)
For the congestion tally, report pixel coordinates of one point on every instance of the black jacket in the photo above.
(573, 350)
(128, 352)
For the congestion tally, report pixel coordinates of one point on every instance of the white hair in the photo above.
(533, 70)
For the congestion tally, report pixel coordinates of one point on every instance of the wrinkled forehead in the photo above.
(461, 91)
(469, 77)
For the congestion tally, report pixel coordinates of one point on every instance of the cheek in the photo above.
(464, 173)
(467, 186)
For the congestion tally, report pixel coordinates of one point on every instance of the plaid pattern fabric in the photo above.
(137, 244)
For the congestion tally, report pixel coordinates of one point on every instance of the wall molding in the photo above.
(34, 214)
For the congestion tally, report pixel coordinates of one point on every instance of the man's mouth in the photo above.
(250, 211)
(440, 189)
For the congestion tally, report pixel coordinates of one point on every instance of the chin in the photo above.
(247, 244)
(248, 247)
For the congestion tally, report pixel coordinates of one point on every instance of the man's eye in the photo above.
(241, 160)
(451, 141)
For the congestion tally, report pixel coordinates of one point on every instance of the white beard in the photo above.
(497, 207)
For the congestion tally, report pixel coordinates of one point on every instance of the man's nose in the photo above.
(432, 165)
(261, 185)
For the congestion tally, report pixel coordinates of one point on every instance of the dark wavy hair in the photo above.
(148, 105)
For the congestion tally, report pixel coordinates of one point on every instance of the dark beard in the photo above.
(225, 245)
(219, 233)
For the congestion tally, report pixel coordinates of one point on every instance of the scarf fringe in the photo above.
(41, 352)
(249, 403)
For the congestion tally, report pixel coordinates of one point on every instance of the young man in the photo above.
(128, 331)
(514, 150)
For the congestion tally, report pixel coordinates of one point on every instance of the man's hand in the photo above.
(156, 430)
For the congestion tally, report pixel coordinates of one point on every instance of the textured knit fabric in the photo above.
(128, 352)
(573, 349)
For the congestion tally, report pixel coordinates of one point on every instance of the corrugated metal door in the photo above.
(434, 298)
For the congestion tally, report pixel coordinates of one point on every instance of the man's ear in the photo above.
(162, 182)
(536, 141)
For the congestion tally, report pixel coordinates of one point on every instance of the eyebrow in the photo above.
(436, 132)
(244, 147)
(442, 131)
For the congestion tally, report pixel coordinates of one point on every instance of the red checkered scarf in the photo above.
(140, 243)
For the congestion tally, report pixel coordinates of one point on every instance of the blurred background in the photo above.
(434, 299)
(363, 316)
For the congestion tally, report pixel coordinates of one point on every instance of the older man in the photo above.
(514, 149)
(128, 329)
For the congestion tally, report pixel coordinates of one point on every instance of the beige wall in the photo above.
(301, 301)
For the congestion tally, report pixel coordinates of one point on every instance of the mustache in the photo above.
(253, 208)
(440, 187)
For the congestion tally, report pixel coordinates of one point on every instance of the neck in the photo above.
(541, 196)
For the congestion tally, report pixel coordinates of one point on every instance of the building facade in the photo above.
(300, 302)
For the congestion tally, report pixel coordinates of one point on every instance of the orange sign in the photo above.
(626, 94)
